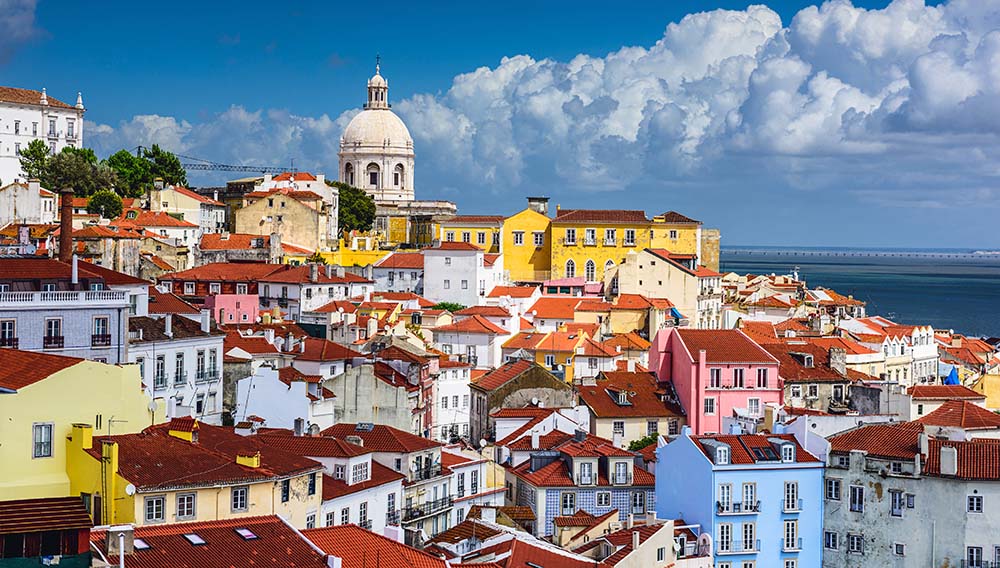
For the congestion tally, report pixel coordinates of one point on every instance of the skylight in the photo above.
(140, 544)
(247, 534)
(194, 539)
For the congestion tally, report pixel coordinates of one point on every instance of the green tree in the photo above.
(34, 158)
(164, 164)
(105, 203)
(75, 169)
(450, 306)
(134, 173)
(636, 445)
(356, 211)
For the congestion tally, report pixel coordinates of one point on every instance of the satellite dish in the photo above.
(677, 546)
(534, 400)
(130, 489)
(482, 443)
(152, 406)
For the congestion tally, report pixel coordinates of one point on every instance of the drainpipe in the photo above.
(121, 550)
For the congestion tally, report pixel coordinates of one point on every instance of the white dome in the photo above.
(378, 128)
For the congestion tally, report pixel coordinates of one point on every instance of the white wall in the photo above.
(27, 115)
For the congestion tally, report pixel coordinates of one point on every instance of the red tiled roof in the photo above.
(515, 512)
(313, 446)
(621, 540)
(474, 219)
(760, 331)
(894, 441)
(630, 341)
(360, 548)
(485, 311)
(224, 272)
(396, 353)
(723, 346)
(593, 348)
(336, 306)
(962, 414)
(474, 324)
(503, 374)
(157, 261)
(403, 297)
(771, 302)
(145, 218)
(233, 241)
(545, 441)
(556, 474)
(512, 291)
(298, 176)
(792, 324)
(741, 446)
(380, 475)
(167, 303)
(325, 350)
(944, 392)
(456, 246)
(45, 514)
(559, 341)
(287, 273)
(277, 545)
(600, 216)
(197, 196)
(254, 344)
(524, 340)
(851, 347)
(526, 412)
(28, 97)
(675, 217)
(632, 302)
(593, 305)
(382, 438)
(554, 308)
(792, 368)
(978, 459)
(465, 530)
(602, 396)
(407, 260)
(20, 369)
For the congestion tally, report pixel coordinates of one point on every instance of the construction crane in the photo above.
(193, 163)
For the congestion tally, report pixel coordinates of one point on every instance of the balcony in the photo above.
(89, 298)
(586, 479)
(978, 564)
(590, 242)
(610, 242)
(791, 505)
(738, 546)
(791, 545)
(366, 524)
(737, 508)
(10, 342)
(692, 550)
(100, 340)
(619, 479)
(568, 242)
(426, 473)
(426, 509)
(392, 518)
(180, 378)
(206, 376)
(53, 342)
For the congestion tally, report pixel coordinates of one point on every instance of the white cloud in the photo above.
(17, 26)
(893, 107)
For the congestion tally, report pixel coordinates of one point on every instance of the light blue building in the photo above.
(761, 496)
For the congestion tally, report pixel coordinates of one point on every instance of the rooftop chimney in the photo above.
(66, 225)
(488, 514)
(205, 321)
(313, 272)
(120, 540)
(534, 440)
(75, 274)
(949, 460)
(539, 205)
(635, 535)
(168, 325)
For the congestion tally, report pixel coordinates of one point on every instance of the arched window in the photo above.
(608, 266)
(570, 268)
(349, 174)
(397, 176)
(590, 271)
(372, 174)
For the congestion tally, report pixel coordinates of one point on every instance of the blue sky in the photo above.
(855, 124)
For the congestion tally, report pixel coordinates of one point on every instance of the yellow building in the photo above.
(555, 350)
(484, 231)
(302, 218)
(186, 471)
(41, 397)
(526, 243)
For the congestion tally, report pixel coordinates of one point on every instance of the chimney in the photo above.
(630, 522)
(75, 274)
(539, 205)
(334, 562)
(356, 440)
(488, 514)
(249, 460)
(630, 365)
(956, 341)
(215, 195)
(205, 320)
(635, 535)
(534, 440)
(949, 460)
(339, 271)
(158, 184)
(84, 433)
(838, 360)
(302, 345)
(66, 225)
(168, 325)
(579, 435)
(269, 335)
(313, 272)
(924, 444)
(329, 271)
(120, 540)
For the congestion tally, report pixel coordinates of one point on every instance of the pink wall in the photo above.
(234, 308)
(670, 360)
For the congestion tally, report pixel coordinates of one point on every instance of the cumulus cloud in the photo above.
(892, 107)
(17, 26)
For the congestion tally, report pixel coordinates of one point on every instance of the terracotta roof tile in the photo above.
(723, 346)
(325, 350)
(944, 392)
(382, 438)
(360, 548)
(223, 272)
(600, 216)
(485, 311)
(741, 447)
(503, 374)
(630, 341)
(554, 308)
(405, 260)
(962, 414)
(46, 514)
(791, 362)
(675, 217)
(20, 369)
(294, 176)
(473, 219)
(234, 241)
(28, 97)
(455, 246)
(144, 218)
(197, 196)
(379, 476)
(473, 324)
(512, 291)
(602, 397)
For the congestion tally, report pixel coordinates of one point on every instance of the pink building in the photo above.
(715, 371)
(233, 308)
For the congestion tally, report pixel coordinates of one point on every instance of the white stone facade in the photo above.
(27, 115)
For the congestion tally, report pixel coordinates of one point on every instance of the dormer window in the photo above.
(722, 456)
(623, 398)
(788, 453)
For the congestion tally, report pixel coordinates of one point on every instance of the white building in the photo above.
(27, 202)
(474, 340)
(309, 287)
(376, 150)
(469, 472)
(461, 273)
(180, 360)
(27, 115)
(285, 398)
(207, 213)
(400, 272)
(452, 415)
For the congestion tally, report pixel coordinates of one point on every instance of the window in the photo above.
(725, 496)
(359, 472)
(753, 406)
(896, 503)
(856, 543)
(312, 483)
(709, 406)
(444, 402)
(447, 284)
(673, 234)
(833, 489)
(603, 498)
(465, 284)
(629, 237)
(481, 238)
(661, 554)
(830, 540)
(899, 549)
(738, 378)
(214, 288)
(787, 453)
(345, 515)
(286, 489)
(539, 238)
(311, 521)
(652, 427)
(725, 541)
(179, 375)
(154, 509)
(590, 271)
(570, 268)
(568, 503)
(621, 473)
(373, 178)
(363, 512)
(17, 127)
(673, 427)
(550, 361)
(796, 391)
(466, 237)
(454, 400)
(42, 440)
(910, 502)
(447, 261)
(762, 378)
(715, 378)
(185, 505)
(857, 499)
(618, 427)
(792, 535)
(813, 391)
(610, 237)
(975, 504)
(791, 563)
(749, 536)
(590, 236)
(239, 498)
(449, 236)
(339, 469)
(749, 496)
(518, 238)
(570, 237)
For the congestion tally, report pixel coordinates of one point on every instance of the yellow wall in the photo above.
(635, 428)
(75, 394)
(211, 503)
(599, 252)
(624, 321)
(526, 262)
(300, 224)
(687, 241)
(474, 231)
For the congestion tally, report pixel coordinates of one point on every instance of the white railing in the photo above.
(89, 296)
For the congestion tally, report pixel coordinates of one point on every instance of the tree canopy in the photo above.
(105, 203)
(450, 306)
(76, 168)
(356, 210)
(33, 159)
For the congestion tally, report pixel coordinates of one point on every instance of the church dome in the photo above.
(376, 128)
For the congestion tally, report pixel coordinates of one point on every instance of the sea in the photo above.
(955, 289)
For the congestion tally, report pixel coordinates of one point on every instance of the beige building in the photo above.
(627, 406)
(301, 218)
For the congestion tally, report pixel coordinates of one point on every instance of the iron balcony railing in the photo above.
(9, 342)
(738, 546)
(426, 473)
(366, 524)
(160, 381)
(619, 479)
(965, 563)
(392, 518)
(427, 508)
(100, 340)
(692, 550)
(791, 545)
(180, 377)
(53, 342)
(737, 508)
(206, 375)
(791, 505)
(590, 479)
